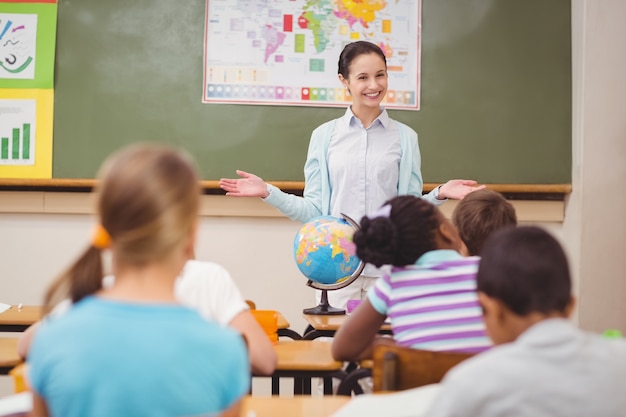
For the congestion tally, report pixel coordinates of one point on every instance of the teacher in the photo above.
(356, 162)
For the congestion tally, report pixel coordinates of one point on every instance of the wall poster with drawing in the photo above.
(27, 46)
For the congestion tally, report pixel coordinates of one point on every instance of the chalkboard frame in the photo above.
(517, 50)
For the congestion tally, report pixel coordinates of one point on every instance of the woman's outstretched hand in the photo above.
(249, 185)
(458, 189)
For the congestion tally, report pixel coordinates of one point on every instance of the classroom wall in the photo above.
(595, 222)
(43, 232)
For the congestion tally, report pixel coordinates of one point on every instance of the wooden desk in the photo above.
(284, 330)
(320, 326)
(8, 354)
(298, 406)
(305, 355)
(303, 360)
(18, 320)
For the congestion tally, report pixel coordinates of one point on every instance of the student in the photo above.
(543, 364)
(480, 214)
(429, 295)
(131, 349)
(208, 288)
(356, 162)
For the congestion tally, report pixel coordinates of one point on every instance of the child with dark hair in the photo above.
(429, 295)
(545, 365)
(480, 214)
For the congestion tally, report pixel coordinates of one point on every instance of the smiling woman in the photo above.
(355, 162)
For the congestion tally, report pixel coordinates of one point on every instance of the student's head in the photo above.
(480, 214)
(147, 204)
(523, 277)
(363, 72)
(404, 229)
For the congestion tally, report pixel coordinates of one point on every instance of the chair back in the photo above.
(398, 368)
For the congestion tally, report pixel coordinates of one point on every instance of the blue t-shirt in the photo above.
(107, 358)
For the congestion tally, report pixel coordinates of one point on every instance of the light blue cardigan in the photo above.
(316, 197)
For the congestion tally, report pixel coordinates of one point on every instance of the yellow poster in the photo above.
(26, 117)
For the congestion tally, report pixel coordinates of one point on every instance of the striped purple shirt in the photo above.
(433, 304)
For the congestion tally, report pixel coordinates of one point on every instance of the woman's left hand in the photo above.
(458, 189)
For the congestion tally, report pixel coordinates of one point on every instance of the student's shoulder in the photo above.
(492, 362)
(471, 262)
(67, 316)
(614, 349)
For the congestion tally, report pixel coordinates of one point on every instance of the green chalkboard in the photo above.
(495, 93)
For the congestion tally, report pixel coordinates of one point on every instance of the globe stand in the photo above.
(324, 308)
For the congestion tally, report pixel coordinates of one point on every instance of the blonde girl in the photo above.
(131, 349)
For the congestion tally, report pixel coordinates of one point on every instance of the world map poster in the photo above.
(285, 52)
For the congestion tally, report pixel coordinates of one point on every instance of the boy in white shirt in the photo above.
(543, 364)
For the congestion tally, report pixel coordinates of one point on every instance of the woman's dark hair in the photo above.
(400, 238)
(525, 268)
(353, 50)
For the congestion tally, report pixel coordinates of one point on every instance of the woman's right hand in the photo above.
(249, 185)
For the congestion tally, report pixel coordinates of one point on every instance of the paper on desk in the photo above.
(408, 403)
(16, 405)
(4, 307)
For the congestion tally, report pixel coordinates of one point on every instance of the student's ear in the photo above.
(569, 309)
(464, 251)
(495, 317)
(450, 235)
(491, 306)
(446, 231)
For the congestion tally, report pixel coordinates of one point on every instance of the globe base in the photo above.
(323, 308)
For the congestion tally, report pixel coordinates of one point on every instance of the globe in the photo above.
(325, 254)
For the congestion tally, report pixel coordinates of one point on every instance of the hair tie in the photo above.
(384, 211)
(101, 238)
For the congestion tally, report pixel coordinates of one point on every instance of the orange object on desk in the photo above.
(268, 320)
(19, 378)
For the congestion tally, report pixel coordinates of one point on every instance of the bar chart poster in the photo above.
(18, 123)
(285, 52)
(25, 133)
(27, 43)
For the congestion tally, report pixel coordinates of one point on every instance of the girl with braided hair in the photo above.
(429, 294)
